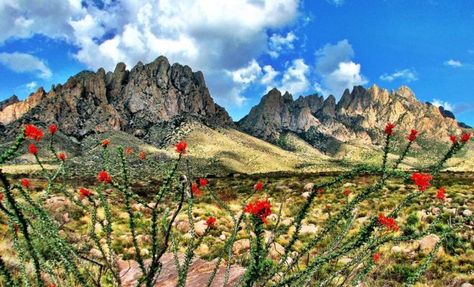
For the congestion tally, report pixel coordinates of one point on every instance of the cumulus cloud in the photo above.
(453, 63)
(279, 43)
(213, 36)
(25, 63)
(336, 70)
(444, 104)
(295, 78)
(407, 75)
(31, 86)
(269, 76)
(248, 74)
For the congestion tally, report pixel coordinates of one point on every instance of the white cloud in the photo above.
(269, 76)
(278, 43)
(407, 75)
(445, 105)
(210, 35)
(25, 63)
(336, 2)
(336, 70)
(295, 78)
(453, 63)
(31, 86)
(248, 74)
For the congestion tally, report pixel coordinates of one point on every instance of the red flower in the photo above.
(258, 186)
(62, 156)
(210, 221)
(33, 149)
(25, 183)
(320, 192)
(422, 180)
(453, 139)
(181, 147)
(203, 182)
(259, 208)
(34, 133)
(412, 136)
(389, 129)
(465, 137)
(441, 194)
(195, 190)
(142, 155)
(104, 177)
(376, 257)
(347, 192)
(1, 196)
(84, 192)
(388, 222)
(52, 285)
(53, 128)
(105, 143)
(128, 150)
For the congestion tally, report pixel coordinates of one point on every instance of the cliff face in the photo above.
(131, 101)
(359, 116)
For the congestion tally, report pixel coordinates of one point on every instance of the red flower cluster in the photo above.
(34, 133)
(258, 186)
(376, 257)
(33, 149)
(412, 136)
(181, 147)
(441, 194)
(465, 137)
(347, 192)
(104, 177)
(195, 190)
(203, 182)
(1, 196)
(105, 143)
(389, 129)
(422, 180)
(25, 183)
(388, 222)
(84, 192)
(211, 221)
(53, 129)
(142, 155)
(260, 209)
(62, 156)
(128, 150)
(453, 139)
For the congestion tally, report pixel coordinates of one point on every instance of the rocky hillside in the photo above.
(359, 116)
(139, 102)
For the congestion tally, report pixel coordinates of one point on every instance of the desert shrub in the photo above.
(336, 254)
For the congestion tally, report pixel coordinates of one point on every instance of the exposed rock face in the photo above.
(359, 116)
(131, 101)
(11, 100)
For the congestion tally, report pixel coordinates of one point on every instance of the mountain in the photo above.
(358, 117)
(139, 102)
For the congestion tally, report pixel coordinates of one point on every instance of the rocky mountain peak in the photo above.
(133, 100)
(11, 100)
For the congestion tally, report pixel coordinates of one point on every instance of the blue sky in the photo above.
(246, 47)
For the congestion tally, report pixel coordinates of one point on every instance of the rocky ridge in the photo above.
(359, 116)
(138, 101)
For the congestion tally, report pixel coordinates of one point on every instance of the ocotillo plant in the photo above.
(32, 227)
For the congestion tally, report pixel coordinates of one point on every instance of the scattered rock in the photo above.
(240, 246)
(396, 249)
(467, 212)
(305, 194)
(276, 250)
(308, 228)
(428, 242)
(200, 227)
(467, 284)
(183, 226)
(222, 237)
(308, 186)
(435, 210)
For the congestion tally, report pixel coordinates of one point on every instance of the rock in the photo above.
(308, 187)
(95, 253)
(183, 226)
(241, 246)
(222, 237)
(276, 250)
(451, 211)
(344, 260)
(396, 249)
(435, 210)
(467, 284)
(308, 229)
(305, 194)
(287, 221)
(428, 242)
(200, 227)
(467, 212)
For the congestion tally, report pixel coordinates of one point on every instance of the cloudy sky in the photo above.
(246, 47)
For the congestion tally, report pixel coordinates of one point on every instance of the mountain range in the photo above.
(156, 102)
